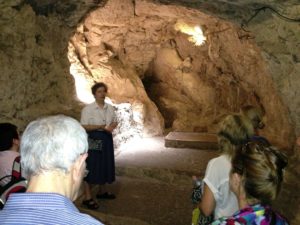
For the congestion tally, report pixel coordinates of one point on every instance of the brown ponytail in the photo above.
(261, 168)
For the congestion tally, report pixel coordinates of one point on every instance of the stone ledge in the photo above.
(191, 140)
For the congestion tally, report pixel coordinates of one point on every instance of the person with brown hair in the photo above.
(99, 120)
(255, 115)
(217, 198)
(255, 178)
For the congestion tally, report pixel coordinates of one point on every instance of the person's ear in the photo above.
(16, 142)
(79, 167)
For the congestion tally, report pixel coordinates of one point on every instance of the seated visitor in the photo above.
(255, 115)
(256, 177)
(53, 153)
(217, 198)
(9, 150)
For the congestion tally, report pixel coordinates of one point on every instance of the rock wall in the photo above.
(280, 45)
(35, 78)
(278, 39)
(34, 67)
(193, 86)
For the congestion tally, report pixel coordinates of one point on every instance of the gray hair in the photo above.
(52, 143)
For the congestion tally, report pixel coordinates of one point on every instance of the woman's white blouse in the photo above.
(217, 179)
(92, 114)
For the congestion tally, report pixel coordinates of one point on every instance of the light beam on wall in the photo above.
(130, 117)
(195, 32)
(83, 89)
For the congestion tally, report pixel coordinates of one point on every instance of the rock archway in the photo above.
(143, 49)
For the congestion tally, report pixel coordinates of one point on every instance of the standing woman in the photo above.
(99, 120)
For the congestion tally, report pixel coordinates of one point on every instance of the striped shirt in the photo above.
(42, 209)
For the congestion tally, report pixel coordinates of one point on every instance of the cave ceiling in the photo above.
(239, 11)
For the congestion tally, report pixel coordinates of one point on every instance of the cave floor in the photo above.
(153, 184)
(150, 153)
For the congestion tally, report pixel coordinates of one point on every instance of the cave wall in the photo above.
(35, 78)
(277, 37)
(280, 44)
(193, 86)
(33, 54)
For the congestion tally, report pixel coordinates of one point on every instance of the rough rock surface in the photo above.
(35, 49)
(35, 78)
(193, 86)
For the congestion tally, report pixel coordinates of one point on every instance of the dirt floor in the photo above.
(154, 185)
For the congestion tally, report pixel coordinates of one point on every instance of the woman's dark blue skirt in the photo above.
(101, 163)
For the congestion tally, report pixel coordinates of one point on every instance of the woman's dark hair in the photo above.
(234, 131)
(8, 132)
(98, 85)
(255, 115)
(261, 167)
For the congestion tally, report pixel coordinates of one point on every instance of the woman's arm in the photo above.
(208, 203)
(111, 127)
(114, 122)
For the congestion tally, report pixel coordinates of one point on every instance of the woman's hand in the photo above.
(109, 128)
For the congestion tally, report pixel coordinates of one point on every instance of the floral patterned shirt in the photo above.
(253, 215)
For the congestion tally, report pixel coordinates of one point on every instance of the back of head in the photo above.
(261, 167)
(52, 144)
(8, 132)
(234, 131)
(254, 114)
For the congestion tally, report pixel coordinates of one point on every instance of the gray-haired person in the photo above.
(53, 154)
